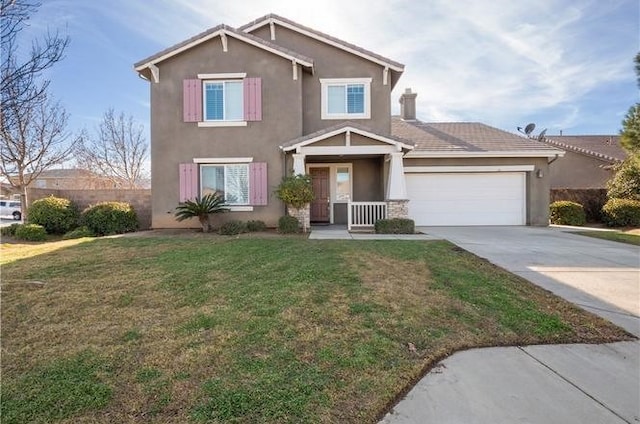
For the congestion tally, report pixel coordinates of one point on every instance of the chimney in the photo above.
(408, 105)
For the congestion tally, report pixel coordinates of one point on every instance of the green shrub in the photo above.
(55, 214)
(255, 226)
(79, 232)
(9, 231)
(395, 226)
(564, 212)
(231, 228)
(625, 183)
(110, 218)
(591, 199)
(31, 232)
(621, 213)
(295, 190)
(288, 224)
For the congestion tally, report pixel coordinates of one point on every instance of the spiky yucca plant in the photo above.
(201, 208)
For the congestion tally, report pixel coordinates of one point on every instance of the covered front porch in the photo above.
(357, 176)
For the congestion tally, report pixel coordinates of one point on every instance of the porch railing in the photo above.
(365, 214)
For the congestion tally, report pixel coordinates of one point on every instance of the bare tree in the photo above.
(35, 141)
(20, 72)
(118, 150)
(33, 133)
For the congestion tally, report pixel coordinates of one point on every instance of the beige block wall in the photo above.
(140, 199)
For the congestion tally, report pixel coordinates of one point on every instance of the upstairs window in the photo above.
(346, 98)
(222, 100)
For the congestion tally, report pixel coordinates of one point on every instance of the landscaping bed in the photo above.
(208, 328)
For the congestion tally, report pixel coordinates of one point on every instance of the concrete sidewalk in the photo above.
(542, 384)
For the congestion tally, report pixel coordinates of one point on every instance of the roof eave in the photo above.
(487, 154)
(146, 63)
(343, 130)
(396, 67)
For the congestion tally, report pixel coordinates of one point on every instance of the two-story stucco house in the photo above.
(235, 110)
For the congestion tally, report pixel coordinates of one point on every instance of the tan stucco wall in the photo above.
(331, 62)
(537, 189)
(174, 141)
(576, 170)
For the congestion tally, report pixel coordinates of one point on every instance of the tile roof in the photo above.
(338, 127)
(606, 147)
(463, 137)
(196, 39)
(345, 45)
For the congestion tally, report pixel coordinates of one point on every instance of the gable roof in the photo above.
(227, 31)
(342, 128)
(325, 38)
(604, 147)
(464, 139)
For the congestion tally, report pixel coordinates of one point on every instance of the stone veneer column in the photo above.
(304, 216)
(397, 209)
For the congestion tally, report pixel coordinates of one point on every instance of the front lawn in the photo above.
(221, 329)
(621, 237)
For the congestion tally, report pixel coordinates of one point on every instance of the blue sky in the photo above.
(564, 65)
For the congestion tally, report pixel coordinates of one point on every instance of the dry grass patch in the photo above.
(219, 329)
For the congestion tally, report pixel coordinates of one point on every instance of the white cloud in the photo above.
(502, 62)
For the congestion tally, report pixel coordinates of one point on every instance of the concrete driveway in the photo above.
(542, 384)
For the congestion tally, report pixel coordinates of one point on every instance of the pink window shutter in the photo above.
(258, 194)
(192, 100)
(188, 181)
(253, 99)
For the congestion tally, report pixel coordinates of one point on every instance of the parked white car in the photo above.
(11, 208)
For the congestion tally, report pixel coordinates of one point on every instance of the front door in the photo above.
(321, 203)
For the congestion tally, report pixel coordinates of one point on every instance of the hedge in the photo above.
(110, 218)
(564, 212)
(55, 214)
(395, 226)
(621, 213)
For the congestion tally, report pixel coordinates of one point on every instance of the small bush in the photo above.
(110, 218)
(255, 226)
(625, 183)
(564, 212)
(79, 232)
(621, 213)
(231, 228)
(9, 231)
(591, 199)
(288, 225)
(31, 232)
(55, 214)
(395, 226)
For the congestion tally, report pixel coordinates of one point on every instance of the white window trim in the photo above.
(324, 87)
(229, 75)
(220, 122)
(223, 162)
(333, 182)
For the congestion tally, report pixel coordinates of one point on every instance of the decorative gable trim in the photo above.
(223, 31)
(347, 131)
(316, 35)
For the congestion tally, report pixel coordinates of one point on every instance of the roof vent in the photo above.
(408, 105)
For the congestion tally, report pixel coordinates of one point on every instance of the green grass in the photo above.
(286, 330)
(613, 236)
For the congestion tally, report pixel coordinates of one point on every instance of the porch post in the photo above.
(298, 164)
(396, 187)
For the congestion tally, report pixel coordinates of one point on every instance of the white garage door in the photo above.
(492, 198)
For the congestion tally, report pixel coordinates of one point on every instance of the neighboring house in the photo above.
(72, 179)
(588, 162)
(235, 110)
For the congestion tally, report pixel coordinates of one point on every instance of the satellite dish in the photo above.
(542, 134)
(529, 128)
